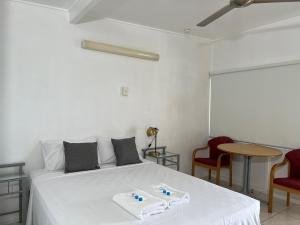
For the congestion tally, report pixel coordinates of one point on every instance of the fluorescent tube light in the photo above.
(102, 47)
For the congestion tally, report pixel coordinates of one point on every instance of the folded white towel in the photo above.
(150, 205)
(176, 197)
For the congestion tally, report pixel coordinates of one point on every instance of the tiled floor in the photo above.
(281, 215)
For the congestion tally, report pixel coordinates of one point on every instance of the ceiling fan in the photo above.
(237, 4)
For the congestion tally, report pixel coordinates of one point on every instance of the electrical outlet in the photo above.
(124, 91)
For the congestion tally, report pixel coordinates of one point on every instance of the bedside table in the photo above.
(21, 192)
(165, 158)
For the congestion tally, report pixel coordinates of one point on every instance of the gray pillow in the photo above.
(125, 151)
(80, 156)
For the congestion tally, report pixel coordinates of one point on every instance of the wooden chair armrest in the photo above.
(219, 160)
(275, 167)
(198, 149)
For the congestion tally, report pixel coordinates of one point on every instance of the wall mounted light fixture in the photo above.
(102, 47)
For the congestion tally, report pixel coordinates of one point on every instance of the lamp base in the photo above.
(154, 154)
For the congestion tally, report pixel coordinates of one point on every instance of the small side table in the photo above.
(22, 191)
(249, 151)
(165, 158)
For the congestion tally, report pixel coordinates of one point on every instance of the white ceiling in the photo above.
(64, 4)
(176, 15)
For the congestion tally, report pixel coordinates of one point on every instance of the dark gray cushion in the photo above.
(125, 151)
(80, 156)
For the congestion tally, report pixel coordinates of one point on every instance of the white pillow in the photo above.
(53, 152)
(106, 151)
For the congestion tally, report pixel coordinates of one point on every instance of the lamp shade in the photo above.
(152, 131)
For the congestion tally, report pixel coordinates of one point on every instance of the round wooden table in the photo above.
(249, 151)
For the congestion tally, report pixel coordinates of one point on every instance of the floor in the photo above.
(281, 215)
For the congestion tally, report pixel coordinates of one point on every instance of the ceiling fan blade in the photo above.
(216, 15)
(274, 1)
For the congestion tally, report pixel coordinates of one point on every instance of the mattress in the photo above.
(85, 198)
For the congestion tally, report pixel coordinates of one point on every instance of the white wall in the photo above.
(252, 49)
(257, 48)
(51, 88)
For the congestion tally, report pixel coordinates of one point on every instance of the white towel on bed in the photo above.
(149, 206)
(175, 198)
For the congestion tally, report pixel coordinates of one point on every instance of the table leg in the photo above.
(21, 195)
(144, 154)
(246, 181)
(178, 162)
(164, 161)
(25, 199)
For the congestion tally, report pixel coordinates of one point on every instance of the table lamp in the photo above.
(152, 132)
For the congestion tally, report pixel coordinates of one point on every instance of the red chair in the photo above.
(217, 158)
(290, 184)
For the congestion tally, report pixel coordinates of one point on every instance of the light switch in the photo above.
(124, 91)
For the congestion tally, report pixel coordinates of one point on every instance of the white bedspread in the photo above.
(85, 198)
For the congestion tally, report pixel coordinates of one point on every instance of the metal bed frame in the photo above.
(22, 191)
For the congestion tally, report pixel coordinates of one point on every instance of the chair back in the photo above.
(213, 146)
(294, 159)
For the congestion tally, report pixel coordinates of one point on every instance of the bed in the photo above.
(86, 198)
